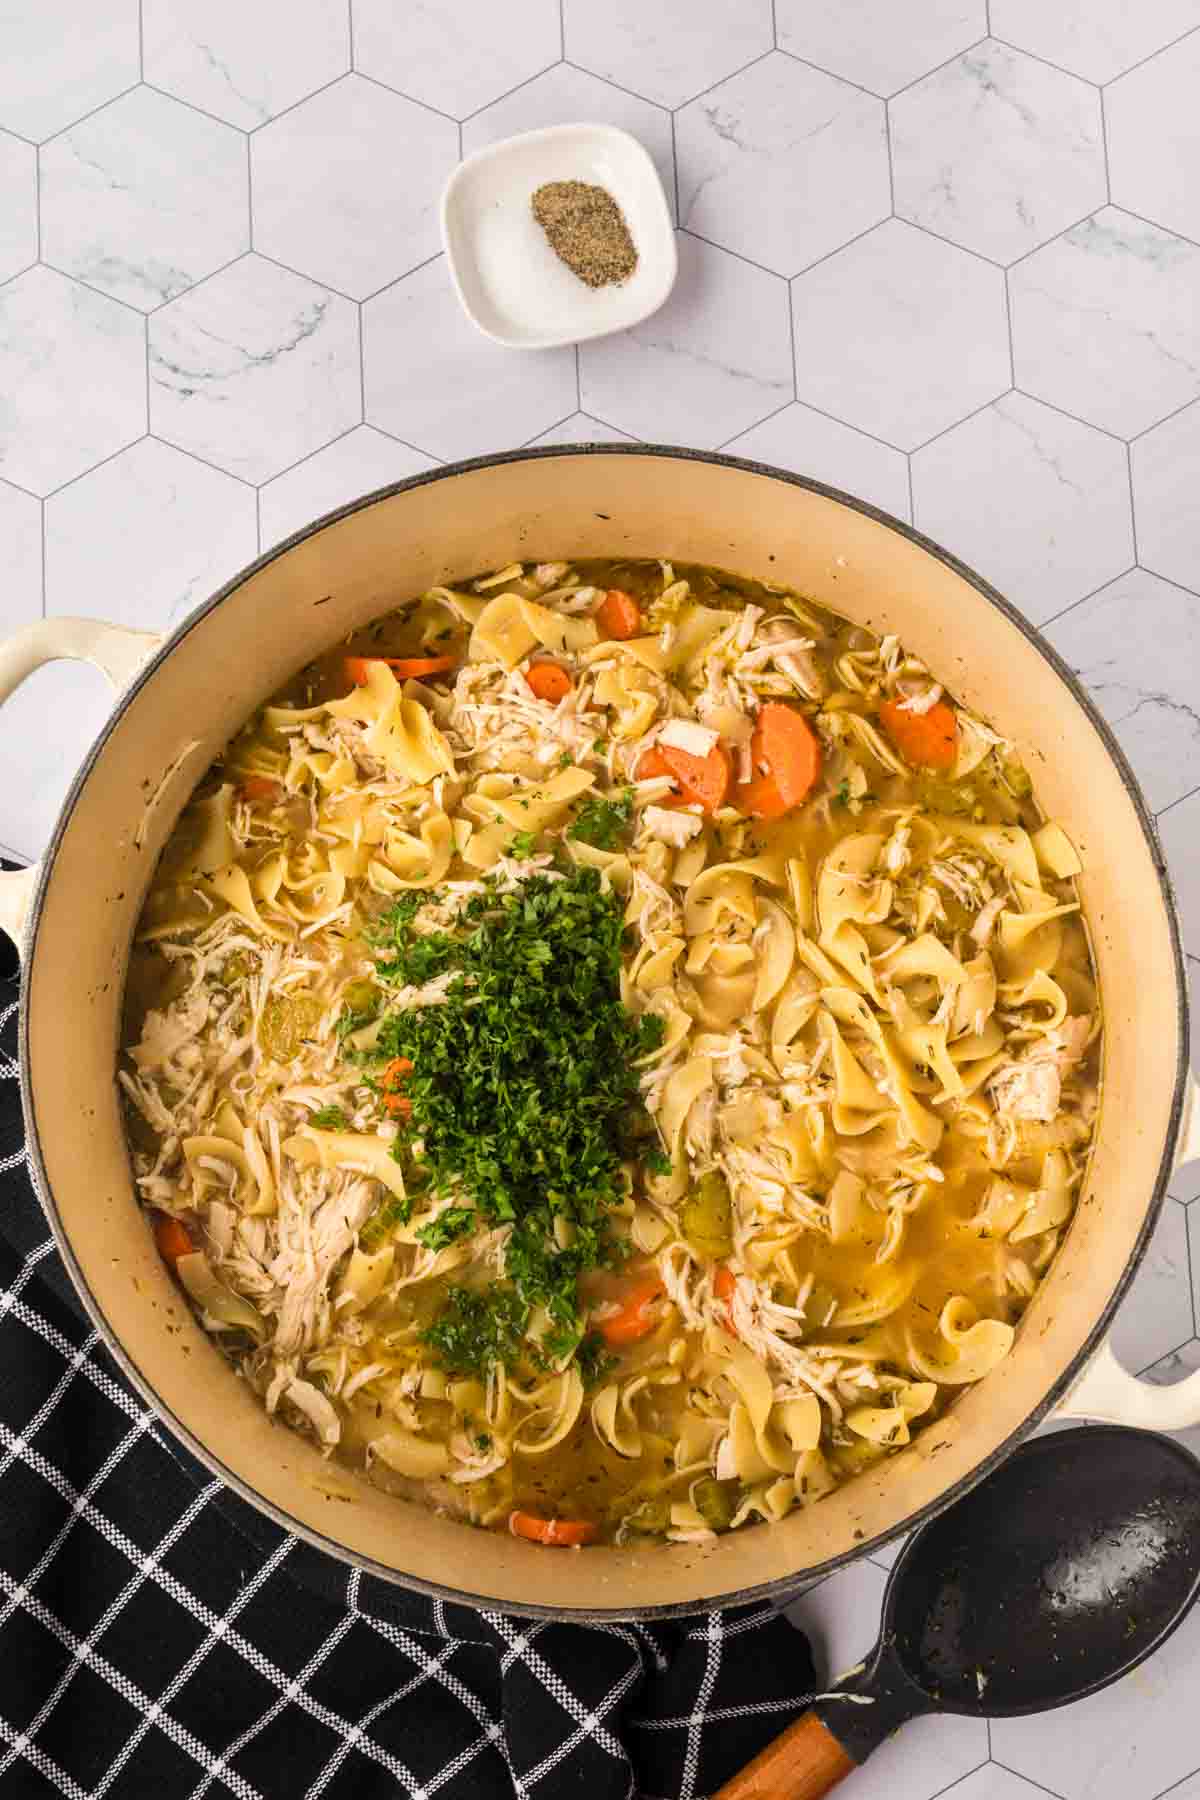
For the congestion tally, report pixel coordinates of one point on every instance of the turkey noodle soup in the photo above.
(611, 1051)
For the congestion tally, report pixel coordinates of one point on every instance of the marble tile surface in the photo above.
(72, 376)
(782, 163)
(198, 527)
(1167, 523)
(943, 254)
(353, 465)
(1152, 167)
(453, 57)
(1112, 293)
(900, 334)
(243, 63)
(881, 46)
(345, 185)
(714, 360)
(997, 152)
(18, 205)
(144, 198)
(1097, 39)
(255, 369)
(1033, 496)
(438, 384)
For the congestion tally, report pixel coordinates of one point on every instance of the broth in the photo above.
(611, 1050)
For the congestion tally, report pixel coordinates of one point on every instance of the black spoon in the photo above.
(1058, 1574)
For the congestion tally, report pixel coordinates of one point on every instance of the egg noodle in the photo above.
(612, 1050)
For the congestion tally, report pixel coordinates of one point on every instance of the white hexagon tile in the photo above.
(244, 63)
(739, 145)
(997, 152)
(254, 369)
(345, 185)
(144, 198)
(943, 255)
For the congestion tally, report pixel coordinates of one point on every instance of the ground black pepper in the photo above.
(587, 231)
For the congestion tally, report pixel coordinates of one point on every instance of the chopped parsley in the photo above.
(473, 1331)
(595, 1362)
(330, 1118)
(454, 1223)
(602, 823)
(524, 1092)
(656, 1161)
(523, 843)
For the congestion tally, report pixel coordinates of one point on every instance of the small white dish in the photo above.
(510, 282)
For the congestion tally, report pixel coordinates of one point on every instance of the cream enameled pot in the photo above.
(186, 696)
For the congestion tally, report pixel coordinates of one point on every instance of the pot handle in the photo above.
(1107, 1393)
(118, 652)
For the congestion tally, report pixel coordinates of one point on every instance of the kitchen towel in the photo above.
(159, 1638)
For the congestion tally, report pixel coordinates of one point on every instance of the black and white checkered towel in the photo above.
(160, 1639)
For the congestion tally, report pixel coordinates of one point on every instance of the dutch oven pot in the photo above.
(186, 697)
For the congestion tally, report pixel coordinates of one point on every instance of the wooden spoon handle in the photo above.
(802, 1763)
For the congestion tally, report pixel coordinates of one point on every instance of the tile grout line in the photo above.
(1171, 805)
(1035, 56)
(1104, 148)
(387, 88)
(712, 86)
(887, 138)
(1165, 420)
(141, 41)
(1133, 532)
(362, 362)
(1036, 1785)
(723, 250)
(806, 62)
(249, 198)
(1087, 424)
(1083, 600)
(916, 449)
(52, 136)
(528, 81)
(1150, 56)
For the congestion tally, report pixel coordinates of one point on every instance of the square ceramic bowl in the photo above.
(511, 283)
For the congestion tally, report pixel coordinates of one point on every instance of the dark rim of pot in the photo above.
(781, 1585)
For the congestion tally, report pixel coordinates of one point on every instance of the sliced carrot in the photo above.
(260, 787)
(394, 1077)
(786, 746)
(636, 1318)
(927, 740)
(618, 614)
(565, 1533)
(404, 668)
(724, 1288)
(172, 1238)
(760, 798)
(549, 681)
(702, 778)
(653, 763)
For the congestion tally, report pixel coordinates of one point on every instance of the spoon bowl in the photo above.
(1057, 1575)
